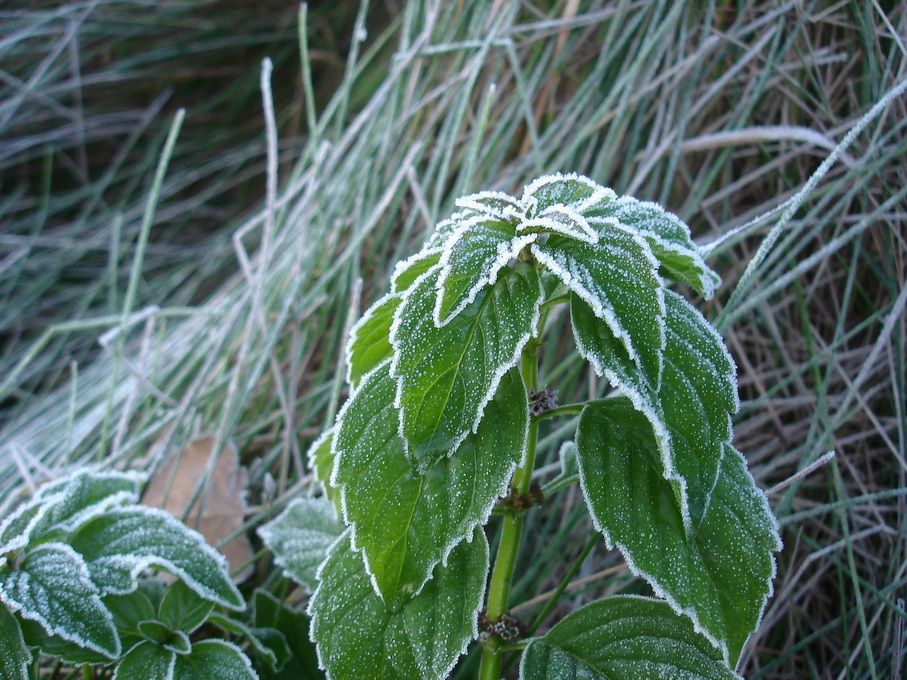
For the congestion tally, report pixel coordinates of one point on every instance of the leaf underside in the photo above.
(721, 576)
(406, 523)
(357, 637)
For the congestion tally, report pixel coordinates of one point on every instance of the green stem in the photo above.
(502, 575)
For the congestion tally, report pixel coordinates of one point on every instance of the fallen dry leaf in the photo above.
(222, 501)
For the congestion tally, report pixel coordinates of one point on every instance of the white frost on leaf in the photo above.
(121, 544)
(471, 260)
(407, 271)
(300, 538)
(365, 347)
(494, 203)
(53, 587)
(561, 219)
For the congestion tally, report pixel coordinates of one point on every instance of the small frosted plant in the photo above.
(73, 585)
(443, 420)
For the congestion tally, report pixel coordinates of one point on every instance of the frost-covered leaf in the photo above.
(369, 344)
(445, 376)
(271, 613)
(617, 277)
(144, 661)
(321, 460)
(407, 271)
(572, 191)
(17, 528)
(128, 612)
(209, 496)
(82, 494)
(623, 638)
(471, 260)
(493, 203)
(172, 640)
(14, 655)
(559, 219)
(300, 537)
(690, 413)
(52, 587)
(357, 637)
(721, 575)
(214, 659)
(182, 608)
(121, 544)
(405, 523)
(668, 236)
(267, 643)
(208, 659)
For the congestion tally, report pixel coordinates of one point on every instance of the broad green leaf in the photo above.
(721, 575)
(369, 344)
(183, 609)
(445, 376)
(170, 639)
(617, 277)
(17, 528)
(471, 260)
(405, 523)
(271, 613)
(255, 637)
(146, 661)
(14, 655)
(357, 637)
(122, 543)
(668, 236)
(208, 659)
(321, 460)
(623, 638)
(300, 537)
(52, 587)
(68, 652)
(214, 659)
(407, 271)
(690, 413)
(128, 612)
(82, 494)
(572, 191)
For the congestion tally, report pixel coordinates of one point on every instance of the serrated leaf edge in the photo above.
(84, 579)
(344, 536)
(584, 233)
(266, 532)
(19, 541)
(354, 332)
(496, 378)
(403, 265)
(135, 565)
(605, 313)
(472, 202)
(506, 252)
(541, 639)
(720, 645)
(448, 548)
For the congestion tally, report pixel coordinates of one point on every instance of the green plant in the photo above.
(74, 583)
(444, 417)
